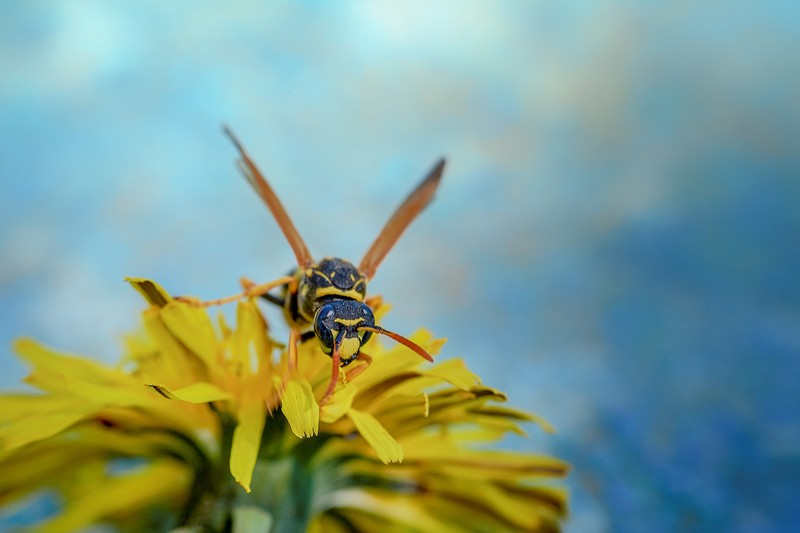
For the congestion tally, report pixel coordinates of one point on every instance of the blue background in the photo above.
(615, 242)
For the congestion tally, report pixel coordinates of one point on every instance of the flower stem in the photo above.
(213, 491)
(282, 480)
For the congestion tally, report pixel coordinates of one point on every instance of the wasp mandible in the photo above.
(328, 297)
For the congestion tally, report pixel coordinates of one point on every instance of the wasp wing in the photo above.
(250, 171)
(402, 217)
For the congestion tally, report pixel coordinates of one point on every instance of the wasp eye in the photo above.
(323, 326)
(368, 319)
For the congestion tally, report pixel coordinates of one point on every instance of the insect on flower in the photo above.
(327, 298)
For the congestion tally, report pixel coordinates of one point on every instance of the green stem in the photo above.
(283, 483)
(213, 491)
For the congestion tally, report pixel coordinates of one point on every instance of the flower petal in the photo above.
(166, 357)
(456, 373)
(521, 508)
(152, 291)
(388, 450)
(44, 424)
(193, 328)
(441, 451)
(325, 523)
(200, 392)
(251, 346)
(246, 441)
(50, 367)
(80, 377)
(339, 404)
(516, 414)
(161, 481)
(129, 394)
(21, 405)
(300, 408)
(364, 510)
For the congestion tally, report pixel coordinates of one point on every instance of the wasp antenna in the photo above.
(399, 338)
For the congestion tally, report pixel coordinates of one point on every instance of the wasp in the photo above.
(327, 298)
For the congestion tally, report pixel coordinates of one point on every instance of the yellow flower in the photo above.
(162, 440)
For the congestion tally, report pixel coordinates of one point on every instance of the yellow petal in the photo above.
(152, 291)
(339, 404)
(200, 392)
(246, 441)
(388, 450)
(441, 450)
(162, 481)
(193, 328)
(80, 377)
(543, 423)
(30, 429)
(398, 359)
(300, 408)
(50, 366)
(434, 346)
(223, 326)
(33, 467)
(523, 508)
(414, 382)
(21, 405)
(168, 358)
(325, 523)
(311, 362)
(250, 345)
(516, 414)
(62, 460)
(496, 423)
(387, 511)
(122, 394)
(456, 373)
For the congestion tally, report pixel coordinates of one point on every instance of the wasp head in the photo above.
(341, 323)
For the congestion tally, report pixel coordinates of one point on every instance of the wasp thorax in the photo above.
(330, 278)
(338, 322)
(340, 274)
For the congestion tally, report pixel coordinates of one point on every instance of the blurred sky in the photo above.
(615, 242)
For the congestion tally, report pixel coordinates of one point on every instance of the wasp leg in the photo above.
(271, 298)
(307, 336)
(247, 283)
(250, 290)
(292, 351)
(356, 371)
(334, 376)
